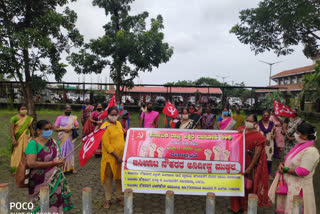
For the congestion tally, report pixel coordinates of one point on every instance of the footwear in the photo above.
(107, 204)
(120, 201)
(74, 171)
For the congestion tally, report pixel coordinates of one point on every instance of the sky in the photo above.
(203, 47)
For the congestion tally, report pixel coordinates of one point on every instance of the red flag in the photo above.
(282, 110)
(112, 103)
(90, 144)
(170, 110)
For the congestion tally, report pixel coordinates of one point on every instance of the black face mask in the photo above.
(238, 112)
(149, 109)
(99, 109)
(67, 113)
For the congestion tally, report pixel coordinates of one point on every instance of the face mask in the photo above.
(121, 107)
(225, 113)
(238, 112)
(149, 109)
(99, 109)
(87, 103)
(118, 106)
(185, 116)
(113, 118)
(47, 134)
(143, 106)
(265, 118)
(191, 110)
(179, 116)
(67, 113)
(23, 112)
(298, 139)
(249, 125)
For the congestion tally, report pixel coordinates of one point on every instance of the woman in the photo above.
(267, 128)
(124, 118)
(184, 119)
(96, 122)
(255, 167)
(112, 151)
(85, 116)
(20, 130)
(64, 125)
(45, 161)
(225, 122)
(149, 119)
(238, 118)
(297, 171)
(289, 128)
(278, 123)
(208, 119)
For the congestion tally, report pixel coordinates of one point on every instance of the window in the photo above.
(287, 81)
(294, 79)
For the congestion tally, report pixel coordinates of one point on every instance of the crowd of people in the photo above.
(291, 140)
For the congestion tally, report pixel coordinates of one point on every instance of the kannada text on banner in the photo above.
(190, 162)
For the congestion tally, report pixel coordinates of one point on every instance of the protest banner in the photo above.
(189, 162)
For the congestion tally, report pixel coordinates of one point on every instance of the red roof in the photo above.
(152, 89)
(290, 87)
(302, 70)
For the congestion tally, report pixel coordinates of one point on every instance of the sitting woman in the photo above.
(45, 161)
(297, 171)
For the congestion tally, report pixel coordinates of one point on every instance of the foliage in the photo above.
(312, 84)
(33, 36)
(279, 24)
(268, 102)
(128, 47)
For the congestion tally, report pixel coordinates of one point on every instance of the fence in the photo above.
(128, 201)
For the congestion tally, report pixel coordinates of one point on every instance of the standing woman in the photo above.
(208, 119)
(45, 161)
(112, 151)
(149, 119)
(278, 123)
(20, 131)
(266, 127)
(184, 119)
(85, 116)
(255, 167)
(96, 122)
(225, 121)
(297, 171)
(64, 125)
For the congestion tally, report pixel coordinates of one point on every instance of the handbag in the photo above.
(23, 171)
(282, 188)
(74, 134)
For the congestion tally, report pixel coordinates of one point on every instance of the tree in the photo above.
(127, 46)
(311, 85)
(33, 35)
(279, 24)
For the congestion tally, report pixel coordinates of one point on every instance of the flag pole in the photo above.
(77, 147)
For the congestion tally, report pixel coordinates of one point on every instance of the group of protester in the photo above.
(271, 137)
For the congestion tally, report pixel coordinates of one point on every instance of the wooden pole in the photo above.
(4, 201)
(44, 199)
(128, 201)
(253, 204)
(210, 203)
(87, 200)
(169, 202)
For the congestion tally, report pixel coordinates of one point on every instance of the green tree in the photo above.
(33, 36)
(311, 86)
(279, 24)
(127, 46)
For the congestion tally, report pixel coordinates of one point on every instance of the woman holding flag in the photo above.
(112, 151)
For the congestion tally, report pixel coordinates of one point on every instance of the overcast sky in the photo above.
(198, 30)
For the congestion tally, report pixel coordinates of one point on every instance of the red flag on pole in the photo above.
(282, 110)
(112, 103)
(90, 144)
(170, 110)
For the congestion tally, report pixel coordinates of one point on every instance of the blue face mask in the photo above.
(47, 134)
(121, 107)
(225, 113)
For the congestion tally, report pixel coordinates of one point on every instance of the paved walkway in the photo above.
(89, 176)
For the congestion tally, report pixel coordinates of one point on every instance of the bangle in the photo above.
(285, 169)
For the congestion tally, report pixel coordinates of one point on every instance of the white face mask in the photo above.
(249, 125)
(185, 116)
(113, 118)
(178, 116)
(298, 139)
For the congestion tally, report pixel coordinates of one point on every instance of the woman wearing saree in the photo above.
(225, 122)
(45, 161)
(20, 131)
(85, 118)
(255, 167)
(64, 125)
(112, 151)
(279, 140)
(208, 119)
(266, 127)
(149, 119)
(297, 171)
(96, 122)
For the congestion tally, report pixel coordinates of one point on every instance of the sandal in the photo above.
(107, 204)
(74, 171)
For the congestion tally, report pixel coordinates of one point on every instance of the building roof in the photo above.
(290, 87)
(152, 89)
(302, 70)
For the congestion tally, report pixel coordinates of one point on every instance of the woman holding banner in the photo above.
(64, 125)
(256, 170)
(112, 151)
